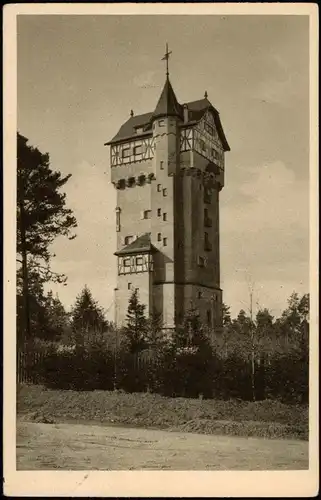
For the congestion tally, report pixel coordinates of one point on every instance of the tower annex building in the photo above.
(168, 169)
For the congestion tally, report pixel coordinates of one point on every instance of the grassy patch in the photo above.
(270, 419)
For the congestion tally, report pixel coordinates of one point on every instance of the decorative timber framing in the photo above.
(131, 152)
(204, 139)
(134, 264)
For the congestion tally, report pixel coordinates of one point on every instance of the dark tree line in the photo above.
(42, 216)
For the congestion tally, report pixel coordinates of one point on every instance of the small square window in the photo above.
(201, 261)
(159, 236)
(139, 261)
(147, 214)
(162, 165)
(128, 239)
(165, 242)
(165, 217)
(161, 123)
(159, 212)
(164, 192)
(127, 262)
(159, 187)
(126, 153)
(129, 285)
(138, 150)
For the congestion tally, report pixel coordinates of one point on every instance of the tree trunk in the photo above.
(25, 278)
(253, 369)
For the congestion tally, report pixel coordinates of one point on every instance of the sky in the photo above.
(78, 79)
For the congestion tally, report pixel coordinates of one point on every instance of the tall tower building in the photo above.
(168, 169)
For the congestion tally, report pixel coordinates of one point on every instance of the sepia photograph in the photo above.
(162, 241)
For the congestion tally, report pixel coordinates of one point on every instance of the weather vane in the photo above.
(165, 58)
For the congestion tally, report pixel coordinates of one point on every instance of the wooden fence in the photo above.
(27, 364)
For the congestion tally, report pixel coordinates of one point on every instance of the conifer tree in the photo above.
(88, 317)
(136, 327)
(41, 217)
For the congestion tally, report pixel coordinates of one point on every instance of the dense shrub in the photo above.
(183, 372)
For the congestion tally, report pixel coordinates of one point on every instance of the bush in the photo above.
(172, 371)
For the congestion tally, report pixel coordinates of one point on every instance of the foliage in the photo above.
(88, 319)
(137, 326)
(188, 366)
(41, 205)
(42, 216)
(48, 318)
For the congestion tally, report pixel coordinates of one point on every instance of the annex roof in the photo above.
(141, 245)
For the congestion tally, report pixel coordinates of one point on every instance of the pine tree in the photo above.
(57, 317)
(226, 315)
(136, 327)
(41, 217)
(36, 304)
(88, 318)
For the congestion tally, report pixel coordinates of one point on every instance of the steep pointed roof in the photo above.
(140, 245)
(167, 104)
(196, 110)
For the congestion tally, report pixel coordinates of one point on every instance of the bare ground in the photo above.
(73, 446)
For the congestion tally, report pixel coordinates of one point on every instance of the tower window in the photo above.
(162, 165)
(126, 153)
(209, 128)
(117, 219)
(202, 145)
(129, 285)
(165, 242)
(159, 212)
(147, 214)
(207, 243)
(128, 239)
(165, 217)
(164, 192)
(199, 295)
(161, 123)
(201, 261)
(159, 187)
(138, 150)
(159, 236)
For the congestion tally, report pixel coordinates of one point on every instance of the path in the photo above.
(92, 447)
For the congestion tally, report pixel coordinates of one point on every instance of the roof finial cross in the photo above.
(165, 58)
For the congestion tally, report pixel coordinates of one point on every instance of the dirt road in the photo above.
(92, 447)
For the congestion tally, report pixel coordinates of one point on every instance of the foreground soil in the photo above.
(267, 419)
(92, 447)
